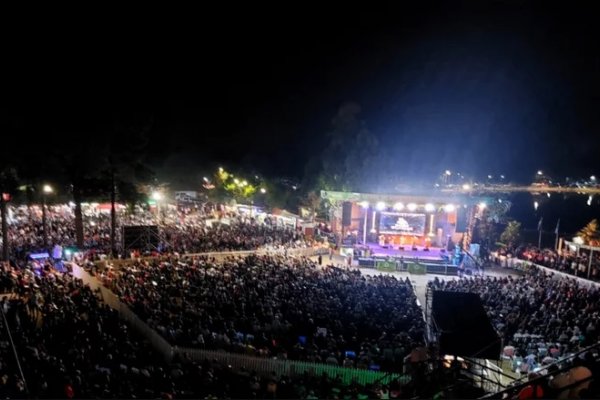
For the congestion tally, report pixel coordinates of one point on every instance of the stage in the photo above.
(434, 253)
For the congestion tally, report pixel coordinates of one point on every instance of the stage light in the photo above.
(589, 201)
(157, 196)
(540, 172)
(429, 207)
(593, 178)
(48, 189)
(364, 204)
(548, 194)
(380, 206)
(482, 205)
(411, 207)
(205, 179)
(448, 172)
(466, 186)
(449, 208)
(399, 206)
(263, 190)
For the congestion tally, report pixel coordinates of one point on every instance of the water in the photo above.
(572, 209)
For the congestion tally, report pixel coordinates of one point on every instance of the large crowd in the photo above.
(274, 306)
(541, 316)
(72, 346)
(190, 230)
(567, 261)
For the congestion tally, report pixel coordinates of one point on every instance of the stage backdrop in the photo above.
(402, 224)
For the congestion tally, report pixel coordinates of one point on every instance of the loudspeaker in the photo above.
(461, 219)
(347, 213)
(143, 237)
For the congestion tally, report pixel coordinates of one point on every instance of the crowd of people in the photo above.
(566, 261)
(189, 230)
(540, 317)
(72, 346)
(275, 306)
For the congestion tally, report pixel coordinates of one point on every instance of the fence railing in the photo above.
(236, 361)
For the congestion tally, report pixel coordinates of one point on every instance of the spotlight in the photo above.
(449, 208)
(364, 204)
(380, 206)
(482, 205)
(411, 207)
(429, 207)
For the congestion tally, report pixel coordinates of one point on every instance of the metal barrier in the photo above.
(288, 367)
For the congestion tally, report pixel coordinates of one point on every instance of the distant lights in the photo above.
(364, 204)
(536, 205)
(380, 206)
(157, 196)
(490, 176)
(449, 208)
(540, 172)
(589, 200)
(501, 176)
(466, 186)
(411, 207)
(205, 179)
(429, 207)
(399, 206)
(593, 178)
(448, 172)
(263, 190)
(548, 194)
(482, 205)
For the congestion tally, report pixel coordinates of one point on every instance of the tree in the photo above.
(8, 185)
(590, 234)
(312, 201)
(349, 157)
(511, 235)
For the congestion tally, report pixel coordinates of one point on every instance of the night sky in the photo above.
(481, 87)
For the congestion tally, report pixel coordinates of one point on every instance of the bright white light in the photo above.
(68, 252)
(482, 205)
(536, 205)
(380, 206)
(48, 189)
(411, 207)
(593, 177)
(540, 173)
(501, 176)
(157, 196)
(71, 204)
(578, 240)
(589, 201)
(490, 176)
(548, 194)
(466, 186)
(263, 190)
(205, 179)
(448, 172)
(294, 187)
(429, 207)
(399, 206)
(449, 208)
(220, 169)
(245, 183)
(236, 181)
(499, 200)
(364, 204)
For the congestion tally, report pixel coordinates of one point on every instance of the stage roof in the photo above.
(407, 197)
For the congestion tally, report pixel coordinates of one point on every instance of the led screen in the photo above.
(402, 224)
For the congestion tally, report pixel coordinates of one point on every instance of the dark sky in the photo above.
(482, 87)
